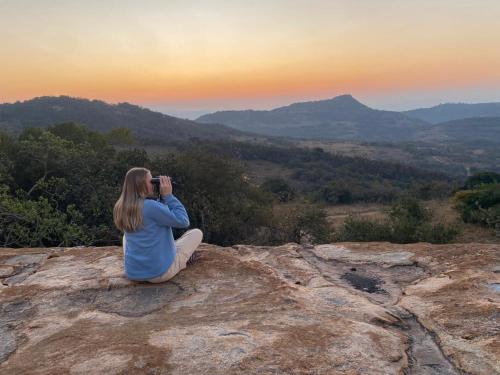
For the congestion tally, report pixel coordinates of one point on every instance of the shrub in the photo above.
(29, 223)
(409, 221)
(407, 218)
(439, 233)
(304, 223)
(364, 230)
(480, 206)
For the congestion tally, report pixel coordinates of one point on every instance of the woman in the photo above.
(148, 244)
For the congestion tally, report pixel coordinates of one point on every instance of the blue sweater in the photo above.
(150, 250)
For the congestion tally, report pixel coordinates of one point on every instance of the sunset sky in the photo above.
(187, 56)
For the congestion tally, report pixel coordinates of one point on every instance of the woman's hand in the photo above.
(165, 186)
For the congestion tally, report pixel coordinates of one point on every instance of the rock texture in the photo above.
(350, 308)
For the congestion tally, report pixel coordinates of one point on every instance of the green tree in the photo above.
(30, 223)
(480, 205)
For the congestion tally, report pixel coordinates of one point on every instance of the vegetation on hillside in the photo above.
(326, 178)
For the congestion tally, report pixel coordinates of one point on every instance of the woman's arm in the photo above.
(169, 212)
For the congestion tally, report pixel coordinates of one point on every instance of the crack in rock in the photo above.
(425, 355)
(8, 343)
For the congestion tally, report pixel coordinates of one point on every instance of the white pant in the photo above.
(185, 246)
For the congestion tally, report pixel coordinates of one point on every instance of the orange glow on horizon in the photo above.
(187, 51)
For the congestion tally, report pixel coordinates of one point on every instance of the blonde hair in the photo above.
(127, 213)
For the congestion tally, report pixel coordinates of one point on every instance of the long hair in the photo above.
(127, 213)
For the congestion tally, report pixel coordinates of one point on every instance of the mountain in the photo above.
(145, 124)
(454, 111)
(342, 118)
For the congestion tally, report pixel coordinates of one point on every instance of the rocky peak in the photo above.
(350, 308)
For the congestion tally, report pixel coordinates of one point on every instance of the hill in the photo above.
(438, 154)
(155, 127)
(476, 131)
(350, 308)
(341, 118)
(325, 176)
(471, 144)
(454, 111)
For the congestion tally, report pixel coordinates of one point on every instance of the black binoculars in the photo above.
(156, 185)
(156, 182)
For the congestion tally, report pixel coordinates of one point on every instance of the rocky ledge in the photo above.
(350, 308)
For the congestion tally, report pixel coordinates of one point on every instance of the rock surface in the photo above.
(350, 308)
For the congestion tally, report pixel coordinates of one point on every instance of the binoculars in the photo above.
(156, 182)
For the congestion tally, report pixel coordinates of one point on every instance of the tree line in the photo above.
(58, 186)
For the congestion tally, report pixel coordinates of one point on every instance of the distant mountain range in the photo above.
(153, 127)
(454, 111)
(343, 118)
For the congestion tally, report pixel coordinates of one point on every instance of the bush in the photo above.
(409, 221)
(407, 217)
(480, 206)
(438, 233)
(364, 230)
(32, 223)
(299, 223)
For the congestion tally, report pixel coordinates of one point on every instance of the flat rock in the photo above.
(342, 253)
(350, 308)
